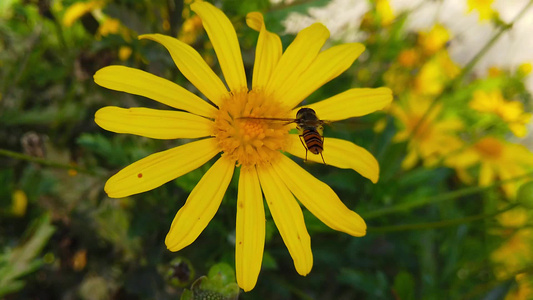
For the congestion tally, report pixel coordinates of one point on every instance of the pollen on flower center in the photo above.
(245, 129)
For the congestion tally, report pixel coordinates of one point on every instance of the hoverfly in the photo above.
(310, 128)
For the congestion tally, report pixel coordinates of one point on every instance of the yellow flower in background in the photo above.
(524, 290)
(516, 251)
(191, 28)
(19, 203)
(408, 58)
(429, 138)
(511, 112)
(384, 11)
(435, 74)
(281, 80)
(107, 25)
(497, 159)
(78, 9)
(483, 7)
(433, 40)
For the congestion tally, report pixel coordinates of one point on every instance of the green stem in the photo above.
(439, 198)
(439, 224)
(45, 162)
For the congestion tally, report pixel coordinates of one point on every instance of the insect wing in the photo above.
(287, 120)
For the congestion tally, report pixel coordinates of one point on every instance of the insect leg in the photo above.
(321, 152)
(303, 144)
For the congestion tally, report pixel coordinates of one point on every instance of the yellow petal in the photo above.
(153, 123)
(201, 206)
(319, 198)
(255, 21)
(288, 217)
(142, 83)
(224, 39)
(159, 168)
(250, 230)
(411, 159)
(192, 66)
(486, 174)
(328, 65)
(78, 10)
(267, 53)
(341, 154)
(352, 103)
(296, 59)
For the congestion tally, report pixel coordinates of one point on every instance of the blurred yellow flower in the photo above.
(435, 74)
(191, 28)
(107, 25)
(511, 112)
(384, 11)
(19, 203)
(78, 9)
(524, 289)
(429, 138)
(483, 7)
(281, 80)
(124, 53)
(525, 69)
(408, 58)
(495, 72)
(498, 159)
(516, 251)
(434, 40)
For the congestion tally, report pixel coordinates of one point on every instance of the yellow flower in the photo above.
(384, 11)
(511, 112)
(281, 80)
(78, 9)
(497, 159)
(433, 40)
(516, 250)
(429, 138)
(524, 289)
(20, 203)
(435, 73)
(190, 29)
(525, 69)
(408, 58)
(483, 7)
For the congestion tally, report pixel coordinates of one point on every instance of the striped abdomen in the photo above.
(313, 141)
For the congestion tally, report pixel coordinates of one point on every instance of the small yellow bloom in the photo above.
(281, 80)
(524, 290)
(408, 58)
(435, 74)
(434, 40)
(384, 11)
(124, 53)
(483, 7)
(78, 9)
(191, 29)
(525, 69)
(495, 72)
(429, 138)
(497, 159)
(19, 203)
(511, 112)
(109, 26)
(516, 250)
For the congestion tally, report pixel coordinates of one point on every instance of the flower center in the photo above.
(489, 148)
(245, 130)
(422, 126)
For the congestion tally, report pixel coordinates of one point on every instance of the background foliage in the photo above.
(432, 234)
